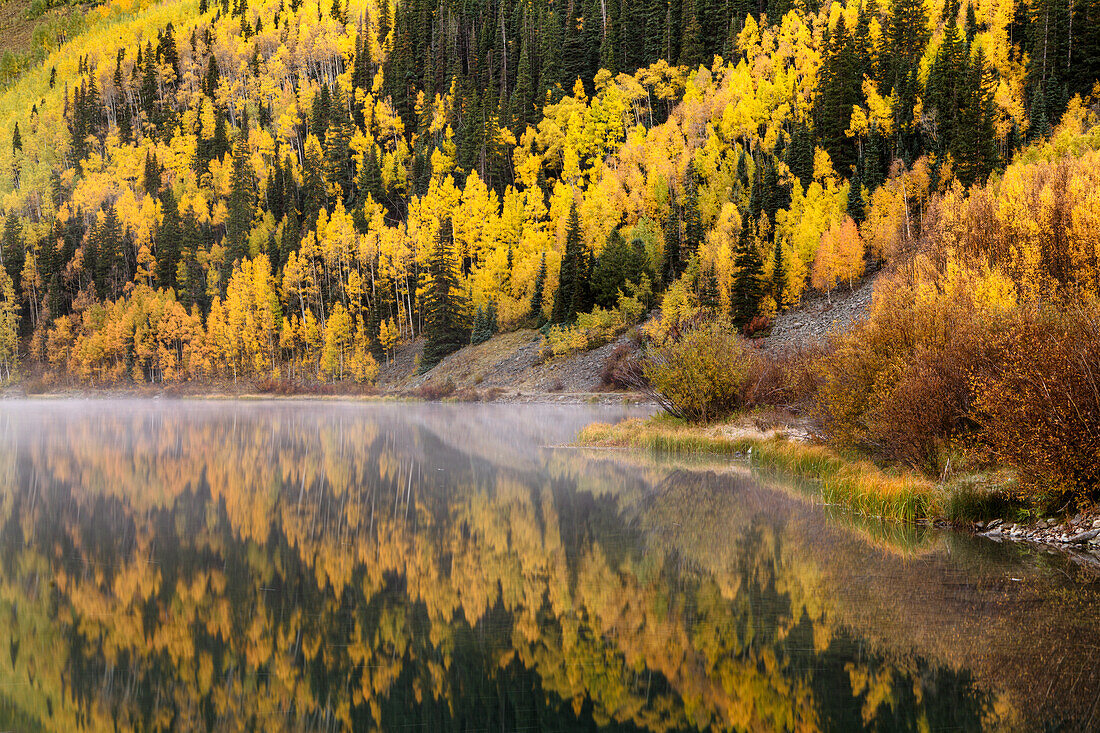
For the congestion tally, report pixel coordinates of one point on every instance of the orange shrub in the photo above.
(1038, 399)
(898, 385)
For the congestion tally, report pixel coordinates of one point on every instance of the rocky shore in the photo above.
(1078, 536)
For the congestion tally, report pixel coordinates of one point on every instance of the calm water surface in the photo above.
(334, 566)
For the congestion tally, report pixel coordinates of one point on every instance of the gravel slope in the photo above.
(818, 316)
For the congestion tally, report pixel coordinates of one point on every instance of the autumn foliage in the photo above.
(704, 375)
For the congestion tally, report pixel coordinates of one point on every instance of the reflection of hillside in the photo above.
(281, 566)
(1008, 616)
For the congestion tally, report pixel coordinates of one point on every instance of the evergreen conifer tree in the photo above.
(748, 285)
(567, 299)
(240, 207)
(444, 307)
(535, 310)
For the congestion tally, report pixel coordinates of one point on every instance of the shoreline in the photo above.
(976, 504)
(489, 396)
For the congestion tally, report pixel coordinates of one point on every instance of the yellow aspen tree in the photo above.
(388, 335)
(839, 257)
(9, 327)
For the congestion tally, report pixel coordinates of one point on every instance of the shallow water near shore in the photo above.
(178, 565)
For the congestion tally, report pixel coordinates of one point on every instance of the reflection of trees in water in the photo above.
(292, 569)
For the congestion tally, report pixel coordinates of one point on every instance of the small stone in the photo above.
(996, 523)
(1096, 524)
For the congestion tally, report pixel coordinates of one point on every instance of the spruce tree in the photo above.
(800, 154)
(671, 265)
(856, 208)
(168, 236)
(779, 275)
(748, 284)
(693, 219)
(151, 177)
(444, 307)
(240, 207)
(568, 297)
(535, 311)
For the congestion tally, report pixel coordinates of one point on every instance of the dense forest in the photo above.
(291, 188)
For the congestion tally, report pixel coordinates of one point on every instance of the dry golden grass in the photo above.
(854, 483)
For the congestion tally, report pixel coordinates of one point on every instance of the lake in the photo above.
(334, 566)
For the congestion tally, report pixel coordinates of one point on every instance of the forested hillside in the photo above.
(289, 188)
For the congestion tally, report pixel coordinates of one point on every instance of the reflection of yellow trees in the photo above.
(285, 567)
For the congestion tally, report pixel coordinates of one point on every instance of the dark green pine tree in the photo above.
(445, 304)
(550, 36)
(275, 189)
(904, 38)
(779, 275)
(973, 147)
(1050, 46)
(149, 86)
(576, 54)
(369, 182)
(110, 264)
(856, 207)
(492, 319)
(672, 263)
(693, 50)
(535, 311)
(241, 205)
(631, 34)
(290, 237)
(656, 23)
(190, 275)
(945, 80)
(839, 90)
(610, 47)
(122, 112)
(151, 178)
(339, 165)
(693, 219)
(748, 283)
(49, 265)
(708, 289)
(219, 144)
(874, 168)
(800, 154)
(169, 233)
(619, 263)
(1084, 67)
(313, 196)
(479, 334)
(290, 191)
(319, 115)
(211, 79)
(569, 295)
(16, 140)
(523, 94)
(11, 246)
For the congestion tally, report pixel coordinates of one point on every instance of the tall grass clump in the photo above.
(857, 485)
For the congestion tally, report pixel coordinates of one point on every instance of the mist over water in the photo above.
(330, 566)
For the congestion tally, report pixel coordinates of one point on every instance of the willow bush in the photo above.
(705, 375)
